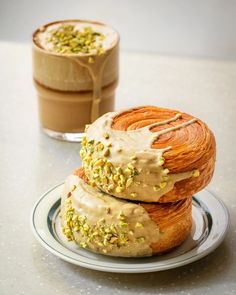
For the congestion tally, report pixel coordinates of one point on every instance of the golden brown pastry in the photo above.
(116, 227)
(149, 154)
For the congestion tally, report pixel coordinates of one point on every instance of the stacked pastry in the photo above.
(140, 168)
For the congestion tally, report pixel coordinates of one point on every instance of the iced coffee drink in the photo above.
(75, 72)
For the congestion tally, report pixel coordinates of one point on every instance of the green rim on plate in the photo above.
(210, 223)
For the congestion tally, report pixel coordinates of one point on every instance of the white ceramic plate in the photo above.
(210, 223)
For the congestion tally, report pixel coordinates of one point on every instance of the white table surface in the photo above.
(31, 163)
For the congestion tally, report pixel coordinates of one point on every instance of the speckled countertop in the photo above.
(31, 163)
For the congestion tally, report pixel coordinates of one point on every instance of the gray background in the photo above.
(203, 28)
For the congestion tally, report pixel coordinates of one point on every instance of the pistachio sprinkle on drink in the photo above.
(69, 39)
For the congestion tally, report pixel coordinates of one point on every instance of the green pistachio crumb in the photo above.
(129, 182)
(156, 188)
(166, 171)
(91, 60)
(141, 239)
(163, 184)
(161, 161)
(83, 244)
(138, 225)
(107, 153)
(196, 173)
(119, 189)
(73, 188)
(106, 135)
(68, 39)
(133, 195)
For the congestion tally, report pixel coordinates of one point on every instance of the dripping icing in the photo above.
(152, 180)
(96, 70)
(92, 203)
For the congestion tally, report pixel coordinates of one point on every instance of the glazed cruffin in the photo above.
(140, 168)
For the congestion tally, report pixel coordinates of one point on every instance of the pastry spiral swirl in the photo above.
(149, 154)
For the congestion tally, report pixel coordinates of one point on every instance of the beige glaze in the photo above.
(60, 72)
(74, 73)
(134, 147)
(104, 210)
(96, 71)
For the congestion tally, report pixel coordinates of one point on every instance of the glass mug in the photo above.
(75, 73)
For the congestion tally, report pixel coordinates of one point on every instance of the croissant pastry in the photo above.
(149, 154)
(112, 226)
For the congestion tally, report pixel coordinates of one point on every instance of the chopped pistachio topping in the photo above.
(99, 162)
(73, 188)
(123, 224)
(166, 171)
(156, 188)
(101, 234)
(69, 39)
(196, 173)
(101, 172)
(107, 153)
(141, 239)
(121, 216)
(91, 141)
(83, 244)
(163, 184)
(138, 225)
(130, 166)
(133, 195)
(106, 135)
(91, 60)
(86, 128)
(129, 182)
(161, 161)
(164, 178)
(119, 189)
(100, 146)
